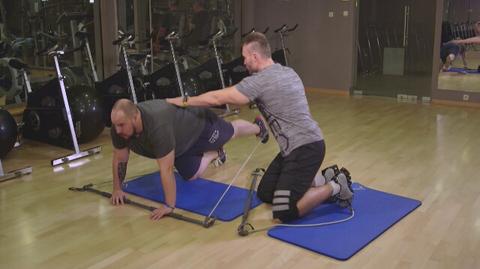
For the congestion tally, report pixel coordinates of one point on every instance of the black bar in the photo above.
(281, 28)
(293, 28)
(122, 37)
(249, 32)
(207, 223)
(244, 228)
(82, 45)
(48, 50)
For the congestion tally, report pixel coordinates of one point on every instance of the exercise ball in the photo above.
(87, 112)
(8, 132)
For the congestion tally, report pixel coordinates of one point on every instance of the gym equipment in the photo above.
(122, 41)
(73, 19)
(244, 227)
(280, 55)
(119, 85)
(8, 132)
(198, 196)
(161, 82)
(89, 188)
(21, 67)
(8, 137)
(83, 37)
(10, 80)
(375, 212)
(13, 174)
(49, 118)
(211, 75)
(184, 91)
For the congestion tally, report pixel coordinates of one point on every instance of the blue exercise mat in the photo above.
(198, 196)
(375, 212)
(462, 70)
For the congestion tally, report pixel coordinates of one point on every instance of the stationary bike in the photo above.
(63, 116)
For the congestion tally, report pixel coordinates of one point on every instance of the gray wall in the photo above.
(322, 48)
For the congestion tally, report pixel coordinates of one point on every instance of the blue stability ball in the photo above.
(8, 132)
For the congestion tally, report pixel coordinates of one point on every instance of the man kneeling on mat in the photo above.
(288, 184)
(187, 139)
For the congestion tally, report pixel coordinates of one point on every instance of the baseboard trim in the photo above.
(455, 103)
(328, 91)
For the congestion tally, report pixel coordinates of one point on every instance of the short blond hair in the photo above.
(258, 43)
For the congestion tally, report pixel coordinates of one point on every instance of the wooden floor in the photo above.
(426, 152)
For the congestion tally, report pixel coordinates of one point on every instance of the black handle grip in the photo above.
(122, 37)
(283, 27)
(249, 32)
(293, 28)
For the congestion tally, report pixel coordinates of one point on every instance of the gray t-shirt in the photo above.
(165, 127)
(280, 96)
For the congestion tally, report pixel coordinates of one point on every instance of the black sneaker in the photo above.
(330, 172)
(327, 175)
(221, 159)
(263, 135)
(349, 178)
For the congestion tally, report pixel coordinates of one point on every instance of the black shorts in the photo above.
(215, 134)
(294, 172)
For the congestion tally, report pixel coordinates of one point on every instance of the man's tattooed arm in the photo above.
(122, 171)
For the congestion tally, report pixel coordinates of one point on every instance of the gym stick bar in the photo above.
(206, 223)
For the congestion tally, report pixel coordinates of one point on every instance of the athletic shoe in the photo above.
(221, 159)
(330, 172)
(263, 135)
(345, 196)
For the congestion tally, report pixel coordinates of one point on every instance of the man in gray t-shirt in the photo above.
(187, 138)
(290, 183)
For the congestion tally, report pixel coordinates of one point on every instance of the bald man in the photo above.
(188, 139)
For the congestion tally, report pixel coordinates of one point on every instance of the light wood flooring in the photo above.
(426, 152)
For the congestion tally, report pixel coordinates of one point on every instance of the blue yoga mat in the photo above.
(375, 212)
(462, 70)
(198, 196)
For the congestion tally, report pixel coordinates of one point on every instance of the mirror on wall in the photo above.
(178, 45)
(394, 45)
(30, 27)
(194, 22)
(460, 46)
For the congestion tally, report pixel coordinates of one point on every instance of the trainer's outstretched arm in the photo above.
(228, 95)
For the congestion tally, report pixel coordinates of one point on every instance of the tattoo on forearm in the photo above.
(122, 171)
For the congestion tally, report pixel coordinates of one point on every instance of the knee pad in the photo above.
(284, 207)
